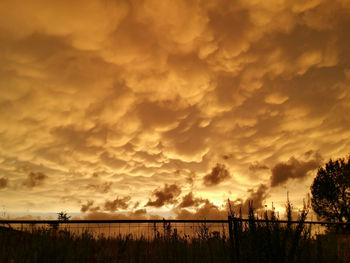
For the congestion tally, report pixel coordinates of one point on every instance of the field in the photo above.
(252, 241)
(267, 239)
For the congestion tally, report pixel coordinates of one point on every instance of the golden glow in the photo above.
(108, 104)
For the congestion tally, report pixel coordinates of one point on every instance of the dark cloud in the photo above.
(257, 196)
(88, 207)
(211, 211)
(258, 167)
(191, 178)
(101, 188)
(140, 212)
(164, 196)
(136, 205)
(294, 168)
(117, 204)
(190, 201)
(218, 174)
(3, 182)
(227, 156)
(207, 211)
(34, 179)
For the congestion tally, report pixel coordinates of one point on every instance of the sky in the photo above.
(169, 108)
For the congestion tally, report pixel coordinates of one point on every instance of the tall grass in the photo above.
(251, 241)
(49, 246)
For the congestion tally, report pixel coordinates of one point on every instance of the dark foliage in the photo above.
(331, 192)
(252, 241)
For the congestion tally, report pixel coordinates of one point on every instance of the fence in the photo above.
(113, 228)
(154, 228)
(231, 240)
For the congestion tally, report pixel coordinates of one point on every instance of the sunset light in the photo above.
(167, 109)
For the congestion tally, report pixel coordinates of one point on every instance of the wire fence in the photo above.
(113, 228)
(154, 228)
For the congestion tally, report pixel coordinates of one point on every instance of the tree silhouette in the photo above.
(331, 191)
(62, 216)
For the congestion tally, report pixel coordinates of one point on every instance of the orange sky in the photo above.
(153, 107)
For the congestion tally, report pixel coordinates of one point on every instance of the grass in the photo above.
(264, 244)
(246, 242)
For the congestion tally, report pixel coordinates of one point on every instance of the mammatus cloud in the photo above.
(217, 175)
(3, 182)
(294, 168)
(102, 188)
(34, 179)
(167, 195)
(132, 91)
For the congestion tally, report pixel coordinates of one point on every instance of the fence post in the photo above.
(230, 231)
(236, 236)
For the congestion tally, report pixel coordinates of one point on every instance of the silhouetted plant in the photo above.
(331, 192)
(63, 216)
